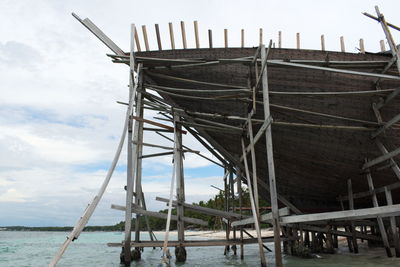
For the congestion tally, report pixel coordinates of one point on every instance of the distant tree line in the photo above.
(157, 224)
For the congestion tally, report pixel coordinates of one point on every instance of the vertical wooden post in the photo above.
(158, 37)
(254, 165)
(261, 36)
(232, 191)
(335, 239)
(137, 41)
(342, 46)
(382, 44)
(253, 208)
(146, 41)
(351, 207)
(130, 166)
(362, 47)
(180, 186)
(271, 167)
(239, 190)
(242, 38)
(226, 206)
(329, 240)
(323, 42)
(380, 221)
(226, 38)
(196, 33)
(280, 39)
(393, 227)
(171, 35)
(183, 35)
(138, 177)
(298, 40)
(210, 41)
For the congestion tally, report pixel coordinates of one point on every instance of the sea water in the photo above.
(20, 249)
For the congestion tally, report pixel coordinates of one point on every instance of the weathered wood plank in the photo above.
(263, 218)
(346, 215)
(161, 215)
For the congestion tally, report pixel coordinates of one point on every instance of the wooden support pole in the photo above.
(393, 163)
(183, 31)
(270, 159)
(389, 37)
(387, 125)
(298, 40)
(382, 44)
(362, 47)
(171, 35)
(180, 184)
(239, 191)
(158, 37)
(196, 33)
(131, 156)
(138, 168)
(137, 41)
(226, 38)
(261, 36)
(254, 165)
(226, 206)
(323, 42)
(253, 208)
(380, 221)
(393, 227)
(146, 41)
(382, 158)
(242, 38)
(342, 45)
(280, 39)
(210, 41)
(351, 207)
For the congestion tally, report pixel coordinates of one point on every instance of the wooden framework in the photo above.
(252, 158)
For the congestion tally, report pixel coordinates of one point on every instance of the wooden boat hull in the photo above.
(312, 163)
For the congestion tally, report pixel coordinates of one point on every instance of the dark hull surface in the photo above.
(312, 164)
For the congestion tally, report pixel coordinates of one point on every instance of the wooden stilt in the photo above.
(261, 37)
(271, 167)
(253, 208)
(351, 207)
(130, 163)
(393, 226)
(180, 186)
(239, 190)
(380, 221)
(382, 44)
(322, 42)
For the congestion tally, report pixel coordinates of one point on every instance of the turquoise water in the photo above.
(22, 249)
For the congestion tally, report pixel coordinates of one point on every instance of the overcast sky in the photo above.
(59, 121)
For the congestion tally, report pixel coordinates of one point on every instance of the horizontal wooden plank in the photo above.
(161, 215)
(224, 214)
(346, 215)
(263, 218)
(194, 243)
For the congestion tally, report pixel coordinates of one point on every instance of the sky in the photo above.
(59, 120)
